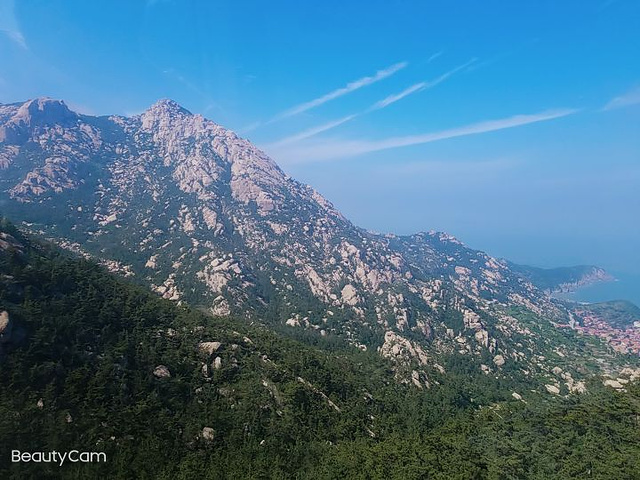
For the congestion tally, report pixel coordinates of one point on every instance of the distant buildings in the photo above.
(621, 340)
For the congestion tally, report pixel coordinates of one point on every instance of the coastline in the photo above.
(619, 287)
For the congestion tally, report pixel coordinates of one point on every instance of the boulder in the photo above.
(209, 348)
(482, 337)
(208, 433)
(552, 389)
(349, 295)
(5, 327)
(613, 384)
(161, 371)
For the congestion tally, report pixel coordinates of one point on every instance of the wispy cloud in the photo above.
(419, 87)
(314, 131)
(16, 37)
(385, 102)
(328, 150)
(632, 97)
(9, 24)
(350, 87)
(434, 56)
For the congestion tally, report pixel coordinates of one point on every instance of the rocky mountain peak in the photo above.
(44, 111)
(167, 107)
(207, 157)
(19, 119)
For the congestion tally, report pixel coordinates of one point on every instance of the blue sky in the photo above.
(512, 125)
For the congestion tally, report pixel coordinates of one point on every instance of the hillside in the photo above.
(82, 357)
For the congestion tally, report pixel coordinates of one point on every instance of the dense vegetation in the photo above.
(86, 344)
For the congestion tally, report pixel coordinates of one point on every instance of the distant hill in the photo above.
(562, 279)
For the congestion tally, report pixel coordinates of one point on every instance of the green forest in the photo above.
(80, 371)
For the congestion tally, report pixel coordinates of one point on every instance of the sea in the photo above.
(624, 287)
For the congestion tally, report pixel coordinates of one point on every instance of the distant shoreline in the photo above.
(620, 287)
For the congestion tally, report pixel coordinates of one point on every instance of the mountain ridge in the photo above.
(201, 215)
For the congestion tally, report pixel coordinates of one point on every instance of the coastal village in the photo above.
(625, 340)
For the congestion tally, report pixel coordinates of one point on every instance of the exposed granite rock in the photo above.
(217, 363)
(5, 327)
(209, 348)
(161, 371)
(553, 389)
(613, 384)
(208, 434)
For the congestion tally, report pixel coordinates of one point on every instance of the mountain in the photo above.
(562, 279)
(202, 216)
(94, 363)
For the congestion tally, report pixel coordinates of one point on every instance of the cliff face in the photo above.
(200, 214)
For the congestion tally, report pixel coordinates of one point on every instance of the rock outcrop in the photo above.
(161, 371)
(5, 327)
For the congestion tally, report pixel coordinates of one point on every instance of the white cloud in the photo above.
(376, 106)
(313, 131)
(328, 150)
(9, 24)
(419, 87)
(632, 97)
(398, 96)
(350, 87)
(434, 56)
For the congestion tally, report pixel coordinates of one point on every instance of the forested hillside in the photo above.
(81, 368)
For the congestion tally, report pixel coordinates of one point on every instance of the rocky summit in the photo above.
(185, 206)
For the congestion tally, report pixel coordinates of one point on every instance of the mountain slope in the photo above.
(94, 363)
(201, 215)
